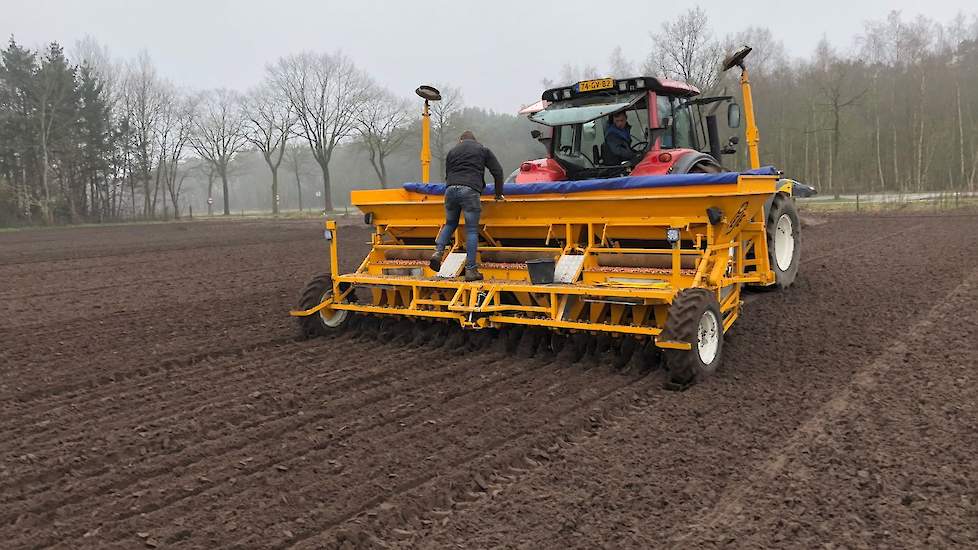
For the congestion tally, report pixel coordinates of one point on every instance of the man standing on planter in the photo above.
(465, 168)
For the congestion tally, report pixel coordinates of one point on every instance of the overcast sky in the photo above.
(497, 51)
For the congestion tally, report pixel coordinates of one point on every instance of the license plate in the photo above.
(592, 85)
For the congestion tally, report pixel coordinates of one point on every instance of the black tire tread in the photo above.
(681, 326)
(312, 326)
(782, 204)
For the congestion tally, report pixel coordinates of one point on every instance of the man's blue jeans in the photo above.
(461, 199)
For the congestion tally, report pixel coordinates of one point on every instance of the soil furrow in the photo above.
(132, 435)
(152, 395)
(371, 449)
(240, 442)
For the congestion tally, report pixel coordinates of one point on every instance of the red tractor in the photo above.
(671, 130)
(648, 126)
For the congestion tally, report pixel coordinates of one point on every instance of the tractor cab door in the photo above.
(682, 135)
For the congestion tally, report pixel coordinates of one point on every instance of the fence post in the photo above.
(857, 202)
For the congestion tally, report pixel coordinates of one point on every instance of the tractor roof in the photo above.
(605, 85)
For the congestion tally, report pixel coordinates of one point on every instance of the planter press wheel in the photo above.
(783, 240)
(326, 320)
(694, 317)
(783, 234)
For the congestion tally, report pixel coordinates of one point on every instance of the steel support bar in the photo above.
(500, 286)
(308, 312)
(626, 329)
(684, 251)
(398, 311)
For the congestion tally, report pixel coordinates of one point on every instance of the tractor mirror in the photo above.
(733, 115)
(535, 134)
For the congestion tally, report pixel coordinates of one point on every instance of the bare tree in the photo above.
(90, 52)
(686, 49)
(172, 134)
(270, 119)
(96, 58)
(834, 78)
(620, 66)
(326, 92)
(205, 169)
(380, 125)
(442, 116)
(294, 158)
(219, 133)
(570, 74)
(767, 53)
(144, 104)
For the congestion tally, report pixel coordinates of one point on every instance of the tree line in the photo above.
(94, 139)
(84, 137)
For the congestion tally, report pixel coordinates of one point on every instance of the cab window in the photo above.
(578, 143)
(683, 133)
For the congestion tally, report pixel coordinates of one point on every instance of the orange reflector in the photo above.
(665, 157)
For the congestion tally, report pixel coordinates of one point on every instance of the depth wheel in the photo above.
(694, 317)
(326, 320)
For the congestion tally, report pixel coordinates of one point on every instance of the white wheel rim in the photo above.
(332, 318)
(784, 242)
(708, 337)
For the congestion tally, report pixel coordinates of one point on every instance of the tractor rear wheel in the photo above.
(783, 240)
(694, 317)
(325, 320)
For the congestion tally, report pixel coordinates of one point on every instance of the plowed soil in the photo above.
(152, 396)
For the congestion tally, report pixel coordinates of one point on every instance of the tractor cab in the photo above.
(636, 126)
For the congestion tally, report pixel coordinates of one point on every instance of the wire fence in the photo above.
(870, 202)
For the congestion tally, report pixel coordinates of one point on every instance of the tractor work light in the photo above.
(672, 235)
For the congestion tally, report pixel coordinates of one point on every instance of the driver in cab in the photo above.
(618, 141)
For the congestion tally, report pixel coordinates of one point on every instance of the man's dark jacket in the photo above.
(618, 145)
(466, 164)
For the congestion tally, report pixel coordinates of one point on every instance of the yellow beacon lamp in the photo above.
(428, 93)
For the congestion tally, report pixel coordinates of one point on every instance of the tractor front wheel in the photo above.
(783, 240)
(326, 320)
(694, 317)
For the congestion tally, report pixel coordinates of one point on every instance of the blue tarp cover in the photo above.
(627, 182)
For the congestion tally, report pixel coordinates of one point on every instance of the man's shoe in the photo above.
(435, 262)
(472, 274)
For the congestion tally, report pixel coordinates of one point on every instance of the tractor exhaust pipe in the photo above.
(714, 135)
